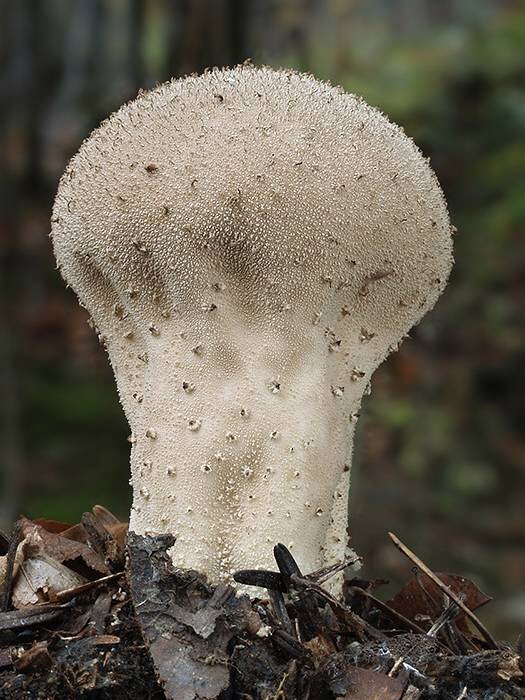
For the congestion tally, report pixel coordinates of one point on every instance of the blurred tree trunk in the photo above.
(10, 434)
(214, 34)
(135, 24)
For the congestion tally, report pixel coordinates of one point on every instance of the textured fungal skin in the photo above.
(251, 244)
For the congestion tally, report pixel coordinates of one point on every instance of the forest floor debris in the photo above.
(78, 623)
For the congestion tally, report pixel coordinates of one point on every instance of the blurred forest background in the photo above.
(441, 446)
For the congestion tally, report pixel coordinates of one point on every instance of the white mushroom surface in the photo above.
(251, 244)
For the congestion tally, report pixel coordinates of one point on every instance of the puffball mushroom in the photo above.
(251, 244)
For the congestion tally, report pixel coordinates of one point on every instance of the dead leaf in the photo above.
(19, 558)
(37, 659)
(55, 526)
(105, 516)
(115, 527)
(101, 540)
(183, 677)
(100, 611)
(364, 684)
(420, 598)
(61, 548)
(77, 533)
(39, 580)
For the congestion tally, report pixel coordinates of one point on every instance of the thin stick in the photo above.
(439, 583)
(394, 615)
(16, 538)
(69, 593)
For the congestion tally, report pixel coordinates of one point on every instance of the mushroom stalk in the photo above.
(251, 244)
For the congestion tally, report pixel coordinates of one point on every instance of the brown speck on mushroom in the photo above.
(356, 374)
(151, 168)
(118, 311)
(374, 277)
(365, 336)
(334, 343)
(140, 246)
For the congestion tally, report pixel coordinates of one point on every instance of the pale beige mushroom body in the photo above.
(251, 244)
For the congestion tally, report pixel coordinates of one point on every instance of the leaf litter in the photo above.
(78, 622)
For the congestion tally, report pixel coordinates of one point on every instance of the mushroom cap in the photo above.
(271, 175)
(263, 237)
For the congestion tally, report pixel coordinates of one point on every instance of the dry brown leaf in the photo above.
(77, 533)
(55, 526)
(365, 684)
(19, 558)
(105, 516)
(62, 549)
(420, 597)
(40, 578)
(35, 660)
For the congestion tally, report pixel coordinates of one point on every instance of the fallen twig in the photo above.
(16, 538)
(439, 583)
(70, 593)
